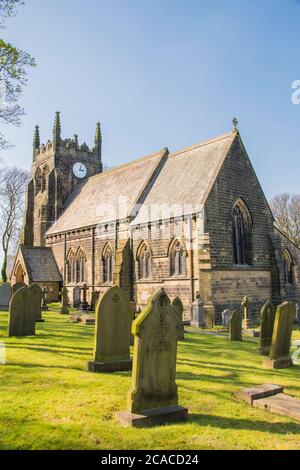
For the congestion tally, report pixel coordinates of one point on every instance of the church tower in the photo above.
(57, 168)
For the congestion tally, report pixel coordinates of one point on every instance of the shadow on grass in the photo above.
(222, 422)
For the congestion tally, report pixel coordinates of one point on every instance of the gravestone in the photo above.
(44, 298)
(5, 296)
(226, 315)
(198, 314)
(37, 295)
(22, 316)
(84, 304)
(297, 314)
(279, 357)
(76, 297)
(112, 333)
(209, 314)
(267, 318)
(235, 326)
(18, 286)
(178, 308)
(153, 397)
(246, 307)
(64, 310)
(94, 300)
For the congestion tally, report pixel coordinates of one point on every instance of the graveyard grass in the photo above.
(49, 401)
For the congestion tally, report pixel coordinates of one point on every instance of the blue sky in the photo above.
(163, 73)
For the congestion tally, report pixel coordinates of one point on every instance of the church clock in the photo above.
(79, 170)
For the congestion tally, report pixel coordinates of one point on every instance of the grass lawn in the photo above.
(49, 401)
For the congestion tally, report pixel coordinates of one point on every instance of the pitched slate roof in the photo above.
(40, 264)
(108, 196)
(185, 180)
(181, 179)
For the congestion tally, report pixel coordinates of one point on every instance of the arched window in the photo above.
(107, 260)
(80, 267)
(144, 261)
(241, 234)
(287, 267)
(38, 180)
(44, 178)
(71, 268)
(177, 259)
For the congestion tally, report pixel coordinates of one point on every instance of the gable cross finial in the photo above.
(235, 123)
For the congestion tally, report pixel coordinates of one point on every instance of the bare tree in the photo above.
(286, 211)
(13, 73)
(13, 182)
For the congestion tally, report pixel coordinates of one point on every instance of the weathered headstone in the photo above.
(5, 296)
(76, 297)
(44, 298)
(112, 333)
(235, 326)
(18, 286)
(267, 318)
(246, 307)
(22, 316)
(209, 314)
(94, 299)
(153, 397)
(178, 308)
(37, 295)
(226, 315)
(84, 304)
(64, 310)
(198, 314)
(279, 357)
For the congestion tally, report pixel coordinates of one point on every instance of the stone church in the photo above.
(194, 221)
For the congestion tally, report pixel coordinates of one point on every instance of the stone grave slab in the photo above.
(261, 391)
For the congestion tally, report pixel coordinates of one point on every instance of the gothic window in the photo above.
(144, 261)
(71, 272)
(241, 234)
(80, 267)
(178, 259)
(44, 178)
(107, 260)
(38, 180)
(287, 267)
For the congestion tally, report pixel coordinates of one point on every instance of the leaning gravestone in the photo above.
(5, 296)
(178, 308)
(18, 286)
(37, 294)
(235, 326)
(112, 335)
(76, 297)
(22, 316)
(153, 397)
(267, 318)
(279, 357)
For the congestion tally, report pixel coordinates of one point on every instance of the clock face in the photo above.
(79, 170)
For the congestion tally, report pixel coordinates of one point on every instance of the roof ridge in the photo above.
(132, 162)
(204, 143)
